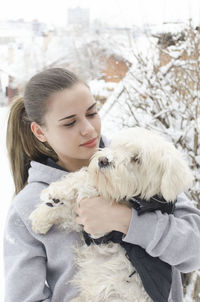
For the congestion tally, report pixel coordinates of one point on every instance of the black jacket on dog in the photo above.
(155, 274)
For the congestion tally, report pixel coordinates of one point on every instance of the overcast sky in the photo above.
(121, 12)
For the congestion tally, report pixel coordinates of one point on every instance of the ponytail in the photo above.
(22, 145)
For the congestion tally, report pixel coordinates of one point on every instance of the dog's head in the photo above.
(140, 162)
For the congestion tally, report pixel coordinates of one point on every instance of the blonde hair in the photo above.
(22, 145)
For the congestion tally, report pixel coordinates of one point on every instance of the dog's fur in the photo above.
(138, 162)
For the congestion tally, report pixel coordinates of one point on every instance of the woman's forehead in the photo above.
(70, 101)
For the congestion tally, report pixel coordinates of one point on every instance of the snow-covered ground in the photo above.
(7, 188)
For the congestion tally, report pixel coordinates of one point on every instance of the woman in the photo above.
(55, 129)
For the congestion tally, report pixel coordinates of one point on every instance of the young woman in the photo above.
(52, 130)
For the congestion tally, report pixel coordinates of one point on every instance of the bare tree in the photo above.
(162, 92)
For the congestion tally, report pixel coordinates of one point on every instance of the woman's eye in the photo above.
(70, 124)
(92, 114)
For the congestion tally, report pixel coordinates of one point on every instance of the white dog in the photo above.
(138, 162)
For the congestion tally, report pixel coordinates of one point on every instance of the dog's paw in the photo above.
(51, 200)
(54, 202)
(42, 219)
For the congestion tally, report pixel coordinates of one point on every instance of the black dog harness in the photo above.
(155, 274)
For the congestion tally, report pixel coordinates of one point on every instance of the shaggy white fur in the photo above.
(138, 162)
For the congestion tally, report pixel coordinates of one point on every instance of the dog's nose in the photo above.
(103, 162)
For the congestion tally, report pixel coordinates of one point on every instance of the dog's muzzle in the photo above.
(103, 162)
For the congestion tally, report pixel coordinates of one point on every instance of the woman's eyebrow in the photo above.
(73, 115)
(66, 117)
(91, 107)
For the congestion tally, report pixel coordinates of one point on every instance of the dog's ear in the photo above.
(176, 178)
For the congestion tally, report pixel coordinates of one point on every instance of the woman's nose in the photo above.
(86, 127)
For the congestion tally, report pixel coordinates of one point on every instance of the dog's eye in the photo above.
(135, 159)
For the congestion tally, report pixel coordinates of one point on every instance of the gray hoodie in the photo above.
(38, 267)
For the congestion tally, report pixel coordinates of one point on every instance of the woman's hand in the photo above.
(99, 216)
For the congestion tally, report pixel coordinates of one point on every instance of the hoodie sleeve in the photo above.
(25, 263)
(175, 238)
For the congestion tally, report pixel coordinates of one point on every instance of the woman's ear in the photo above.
(38, 132)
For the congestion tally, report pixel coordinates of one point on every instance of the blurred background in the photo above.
(141, 59)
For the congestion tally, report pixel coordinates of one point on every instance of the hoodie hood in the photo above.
(39, 172)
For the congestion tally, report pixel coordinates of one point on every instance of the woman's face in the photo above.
(72, 126)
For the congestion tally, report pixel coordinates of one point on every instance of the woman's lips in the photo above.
(90, 144)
